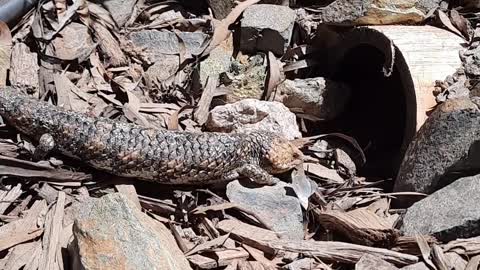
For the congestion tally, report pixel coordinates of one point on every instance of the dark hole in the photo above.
(376, 113)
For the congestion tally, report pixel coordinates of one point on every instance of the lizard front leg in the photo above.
(255, 173)
(45, 145)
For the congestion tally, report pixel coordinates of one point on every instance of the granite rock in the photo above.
(266, 28)
(121, 10)
(446, 147)
(272, 203)
(319, 97)
(158, 43)
(250, 114)
(450, 213)
(112, 233)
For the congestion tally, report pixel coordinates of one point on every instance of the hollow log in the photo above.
(411, 59)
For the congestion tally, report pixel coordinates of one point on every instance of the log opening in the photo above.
(382, 113)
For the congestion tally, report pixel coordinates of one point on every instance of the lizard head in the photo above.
(282, 156)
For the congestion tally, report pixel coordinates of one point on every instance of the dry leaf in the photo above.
(217, 242)
(201, 114)
(5, 51)
(274, 76)
(425, 250)
(447, 23)
(461, 23)
(323, 172)
(303, 186)
(221, 31)
(131, 109)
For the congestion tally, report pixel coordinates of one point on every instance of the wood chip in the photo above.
(5, 51)
(21, 255)
(323, 172)
(360, 225)
(18, 238)
(341, 252)
(201, 114)
(10, 197)
(248, 234)
(214, 243)
(468, 246)
(439, 258)
(220, 258)
(28, 223)
(474, 263)
(16, 167)
(259, 256)
(53, 228)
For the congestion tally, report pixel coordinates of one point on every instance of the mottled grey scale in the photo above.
(133, 151)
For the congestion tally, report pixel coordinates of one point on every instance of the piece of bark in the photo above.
(10, 197)
(341, 252)
(22, 168)
(21, 255)
(209, 227)
(361, 226)
(109, 46)
(5, 52)
(201, 114)
(371, 262)
(220, 258)
(48, 193)
(467, 246)
(21, 206)
(259, 256)
(409, 245)
(474, 263)
(23, 229)
(358, 12)
(248, 234)
(438, 258)
(53, 229)
(217, 242)
(233, 265)
(24, 67)
(19, 237)
(35, 262)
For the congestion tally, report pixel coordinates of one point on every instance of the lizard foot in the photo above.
(258, 175)
(45, 145)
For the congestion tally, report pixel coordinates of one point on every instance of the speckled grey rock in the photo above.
(445, 146)
(471, 62)
(281, 211)
(218, 61)
(121, 10)
(162, 69)
(456, 90)
(266, 28)
(251, 114)
(158, 43)
(319, 97)
(111, 233)
(450, 213)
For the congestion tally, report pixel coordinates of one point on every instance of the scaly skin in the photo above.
(169, 157)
